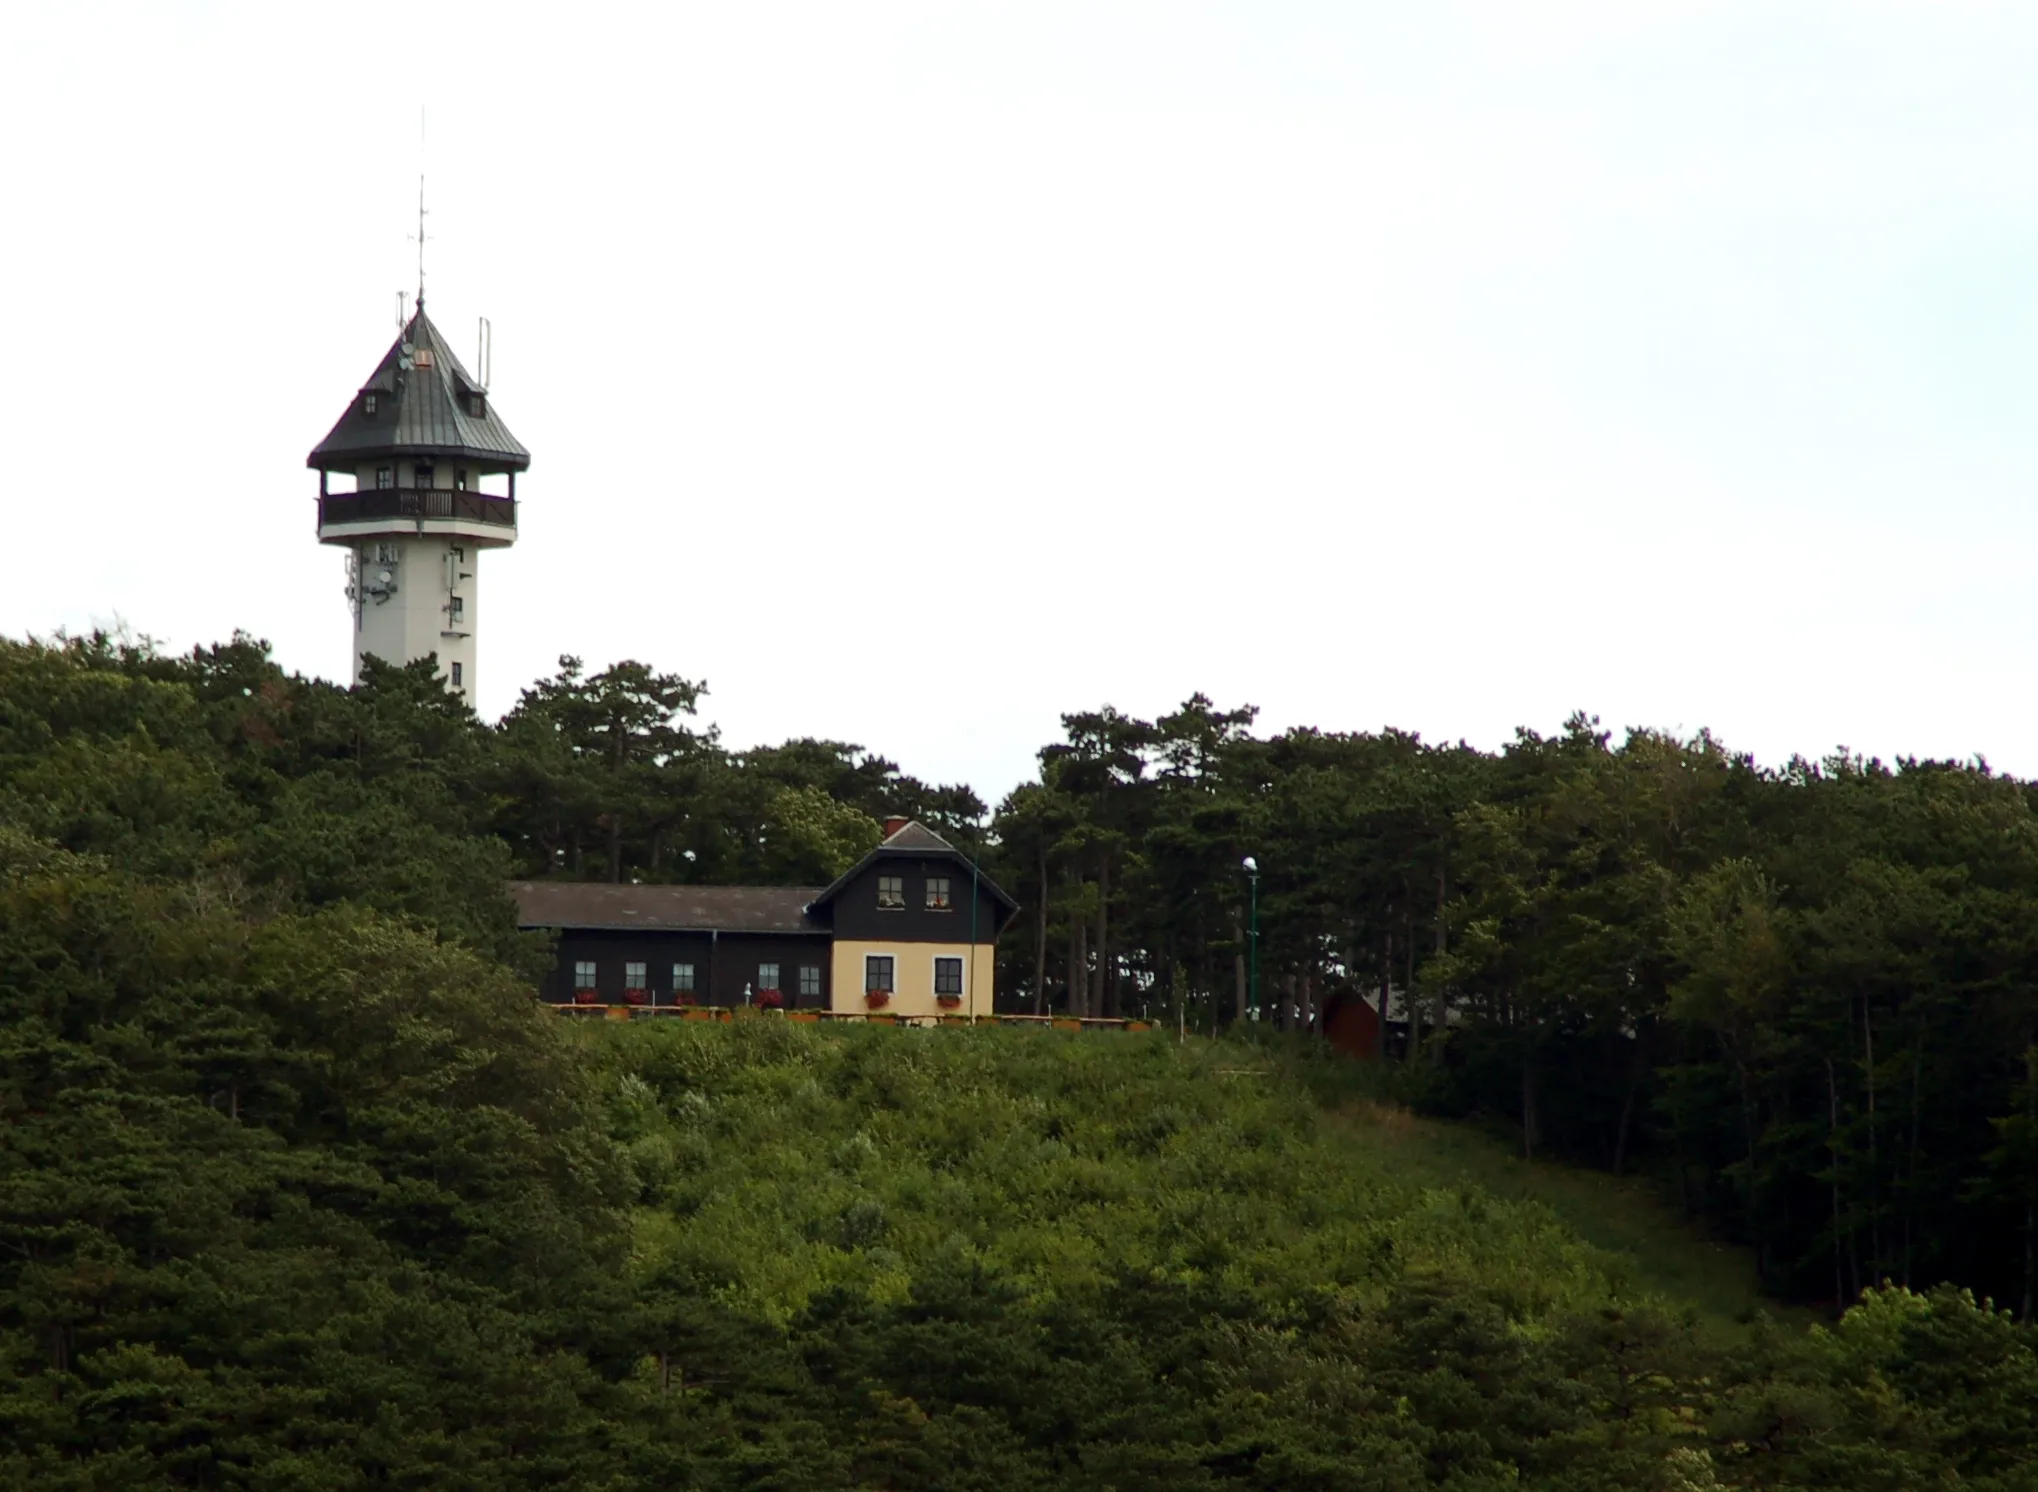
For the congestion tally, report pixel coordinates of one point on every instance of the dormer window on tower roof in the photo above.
(368, 403)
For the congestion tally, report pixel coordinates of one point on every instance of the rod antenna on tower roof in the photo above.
(421, 208)
(421, 241)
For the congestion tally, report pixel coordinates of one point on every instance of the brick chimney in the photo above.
(894, 824)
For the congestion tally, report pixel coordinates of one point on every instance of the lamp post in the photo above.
(1252, 870)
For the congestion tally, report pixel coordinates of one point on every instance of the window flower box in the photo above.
(877, 999)
(949, 1002)
(587, 997)
(770, 999)
(685, 998)
(636, 996)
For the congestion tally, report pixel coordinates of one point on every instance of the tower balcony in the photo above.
(349, 513)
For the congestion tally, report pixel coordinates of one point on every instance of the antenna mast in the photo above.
(421, 207)
(421, 241)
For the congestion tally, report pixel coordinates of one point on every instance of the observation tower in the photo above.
(417, 479)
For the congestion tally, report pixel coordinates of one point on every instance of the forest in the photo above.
(300, 1187)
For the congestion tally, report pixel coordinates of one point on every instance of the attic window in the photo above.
(477, 405)
(367, 404)
(424, 358)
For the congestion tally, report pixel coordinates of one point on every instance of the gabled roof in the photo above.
(916, 839)
(599, 905)
(424, 407)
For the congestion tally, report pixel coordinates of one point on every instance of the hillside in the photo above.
(300, 1188)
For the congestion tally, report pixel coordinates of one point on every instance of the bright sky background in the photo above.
(914, 373)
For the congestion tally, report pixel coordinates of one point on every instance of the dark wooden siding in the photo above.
(857, 917)
(723, 964)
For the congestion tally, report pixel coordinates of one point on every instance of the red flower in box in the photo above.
(686, 997)
(770, 999)
(586, 997)
(949, 1002)
(877, 999)
(636, 996)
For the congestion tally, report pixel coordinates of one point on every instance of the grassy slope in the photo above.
(780, 1159)
(1660, 1251)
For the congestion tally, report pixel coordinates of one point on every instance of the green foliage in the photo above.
(300, 1188)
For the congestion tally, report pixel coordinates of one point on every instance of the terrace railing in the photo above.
(416, 502)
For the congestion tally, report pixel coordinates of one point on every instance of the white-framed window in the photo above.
(583, 973)
(767, 976)
(937, 894)
(810, 981)
(682, 979)
(635, 976)
(947, 976)
(877, 973)
(891, 893)
(367, 404)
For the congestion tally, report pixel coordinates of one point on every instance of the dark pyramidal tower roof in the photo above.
(426, 405)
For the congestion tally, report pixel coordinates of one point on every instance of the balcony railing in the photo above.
(415, 502)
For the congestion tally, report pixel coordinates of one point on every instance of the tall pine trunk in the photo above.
(1079, 972)
(1386, 985)
(1106, 999)
(1833, 1148)
(1040, 940)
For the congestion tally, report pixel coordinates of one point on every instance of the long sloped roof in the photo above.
(588, 904)
(424, 407)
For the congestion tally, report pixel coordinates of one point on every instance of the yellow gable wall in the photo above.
(912, 977)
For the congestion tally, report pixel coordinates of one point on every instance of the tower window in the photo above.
(457, 607)
(421, 475)
(385, 476)
(477, 405)
(456, 676)
(460, 480)
(367, 404)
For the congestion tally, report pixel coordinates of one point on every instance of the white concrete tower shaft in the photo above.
(416, 480)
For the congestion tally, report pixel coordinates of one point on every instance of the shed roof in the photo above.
(585, 904)
(424, 407)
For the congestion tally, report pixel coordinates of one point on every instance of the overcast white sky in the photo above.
(914, 373)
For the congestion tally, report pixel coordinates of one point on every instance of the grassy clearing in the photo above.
(1666, 1255)
(781, 1160)
(1658, 1251)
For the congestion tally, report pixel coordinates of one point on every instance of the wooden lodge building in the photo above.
(909, 931)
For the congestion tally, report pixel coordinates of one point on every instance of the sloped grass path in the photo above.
(1652, 1248)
